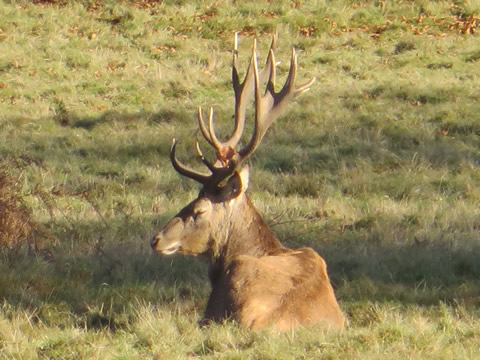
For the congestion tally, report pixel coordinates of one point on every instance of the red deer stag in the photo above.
(255, 280)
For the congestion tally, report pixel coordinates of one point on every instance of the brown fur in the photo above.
(255, 280)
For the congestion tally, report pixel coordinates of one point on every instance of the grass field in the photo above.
(377, 168)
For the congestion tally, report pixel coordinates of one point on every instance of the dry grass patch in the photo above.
(16, 224)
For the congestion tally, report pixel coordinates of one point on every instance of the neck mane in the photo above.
(248, 234)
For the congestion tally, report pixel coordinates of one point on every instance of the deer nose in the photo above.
(154, 241)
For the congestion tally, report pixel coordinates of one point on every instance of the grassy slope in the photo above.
(377, 167)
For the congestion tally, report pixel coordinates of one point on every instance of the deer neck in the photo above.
(246, 234)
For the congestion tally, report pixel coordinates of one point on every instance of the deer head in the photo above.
(204, 226)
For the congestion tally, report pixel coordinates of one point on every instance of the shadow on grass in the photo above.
(92, 275)
(99, 283)
(293, 151)
(88, 123)
(416, 274)
(98, 270)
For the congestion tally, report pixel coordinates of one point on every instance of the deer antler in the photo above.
(272, 104)
(217, 174)
(243, 94)
(268, 108)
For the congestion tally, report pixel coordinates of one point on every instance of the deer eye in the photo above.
(200, 212)
(201, 207)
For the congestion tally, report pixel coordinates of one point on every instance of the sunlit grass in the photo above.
(377, 168)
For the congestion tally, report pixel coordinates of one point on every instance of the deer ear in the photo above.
(244, 175)
(237, 184)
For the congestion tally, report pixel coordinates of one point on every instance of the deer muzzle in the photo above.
(164, 247)
(167, 241)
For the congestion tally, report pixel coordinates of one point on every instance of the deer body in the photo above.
(254, 279)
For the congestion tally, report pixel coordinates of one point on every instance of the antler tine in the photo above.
(211, 131)
(243, 93)
(272, 104)
(207, 163)
(205, 132)
(259, 129)
(218, 174)
(209, 134)
(289, 87)
(185, 170)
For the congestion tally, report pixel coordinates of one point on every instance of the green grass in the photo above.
(377, 168)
